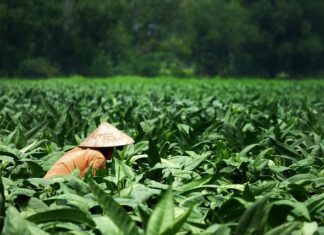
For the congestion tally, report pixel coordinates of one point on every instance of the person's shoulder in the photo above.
(95, 152)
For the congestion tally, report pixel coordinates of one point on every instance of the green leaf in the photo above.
(5, 150)
(299, 178)
(309, 228)
(114, 211)
(297, 207)
(35, 230)
(64, 214)
(232, 209)
(315, 204)
(127, 170)
(78, 139)
(284, 229)
(32, 146)
(283, 148)
(139, 192)
(2, 204)
(80, 187)
(196, 160)
(184, 129)
(253, 220)
(36, 130)
(106, 226)
(15, 223)
(72, 199)
(163, 215)
(34, 205)
(36, 169)
(144, 213)
(247, 149)
(21, 191)
(217, 229)
(178, 223)
(193, 185)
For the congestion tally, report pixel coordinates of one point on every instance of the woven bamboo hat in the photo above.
(105, 136)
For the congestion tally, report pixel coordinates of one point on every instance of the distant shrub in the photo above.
(148, 65)
(101, 66)
(283, 75)
(176, 69)
(37, 68)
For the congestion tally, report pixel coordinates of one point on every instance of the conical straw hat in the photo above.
(106, 135)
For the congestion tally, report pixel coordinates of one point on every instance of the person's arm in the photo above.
(95, 159)
(81, 158)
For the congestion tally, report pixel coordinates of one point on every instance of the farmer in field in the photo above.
(93, 151)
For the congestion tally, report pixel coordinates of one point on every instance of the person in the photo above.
(93, 151)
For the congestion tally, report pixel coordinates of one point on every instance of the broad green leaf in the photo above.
(72, 199)
(32, 146)
(193, 184)
(217, 229)
(284, 229)
(106, 226)
(184, 129)
(48, 161)
(137, 157)
(285, 149)
(315, 204)
(247, 149)
(114, 211)
(6, 158)
(78, 139)
(239, 187)
(34, 205)
(196, 160)
(77, 184)
(36, 169)
(56, 227)
(139, 192)
(5, 150)
(15, 223)
(144, 213)
(297, 207)
(2, 204)
(35, 230)
(21, 191)
(178, 223)
(309, 228)
(127, 170)
(162, 217)
(64, 214)
(253, 220)
(299, 178)
(36, 130)
(232, 209)
(38, 182)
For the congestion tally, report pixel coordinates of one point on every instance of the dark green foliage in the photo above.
(2, 204)
(98, 38)
(37, 68)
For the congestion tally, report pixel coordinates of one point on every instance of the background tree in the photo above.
(161, 37)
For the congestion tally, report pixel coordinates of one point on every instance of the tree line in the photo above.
(265, 38)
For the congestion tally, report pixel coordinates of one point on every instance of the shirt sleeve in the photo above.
(65, 165)
(95, 159)
(78, 158)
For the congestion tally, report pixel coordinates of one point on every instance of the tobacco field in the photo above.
(210, 157)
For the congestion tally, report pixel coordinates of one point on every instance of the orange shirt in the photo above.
(81, 158)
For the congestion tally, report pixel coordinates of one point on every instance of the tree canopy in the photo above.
(161, 37)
